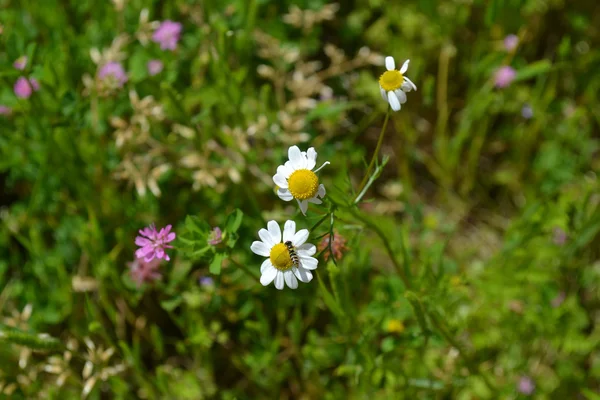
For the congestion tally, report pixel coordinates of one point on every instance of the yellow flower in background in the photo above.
(395, 326)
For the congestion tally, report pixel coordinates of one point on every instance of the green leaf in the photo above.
(195, 224)
(590, 395)
(329, 299)
(534, 69)
(234, 220)
(215, 265)
(171, 304)
(179, 272)
(418, 308)
(94, 326)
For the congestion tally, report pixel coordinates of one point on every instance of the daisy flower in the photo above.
(289, 260)
(394, 85)
(296, 179)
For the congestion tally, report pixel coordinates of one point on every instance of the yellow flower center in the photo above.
(303, 184)
(391, 80)
(280, 257)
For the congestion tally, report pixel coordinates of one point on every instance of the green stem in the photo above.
(386, 244)
(376, 153)
(319, 222)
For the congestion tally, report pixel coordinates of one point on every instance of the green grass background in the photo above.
(469, 208)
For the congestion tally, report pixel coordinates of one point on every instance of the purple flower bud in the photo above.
(215, 237)
(527, 111)
(504, 76)
(154, 67)
(526, 386)
(20, 63)
(23, 88)
(4, 110)
(511, 42)
(167, 35)
(207, 281)
(113, 73)
(559, 236)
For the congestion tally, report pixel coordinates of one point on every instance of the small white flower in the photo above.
(394, 85)
(289, 260)
(296, 179)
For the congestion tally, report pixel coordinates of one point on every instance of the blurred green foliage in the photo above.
(488, 209)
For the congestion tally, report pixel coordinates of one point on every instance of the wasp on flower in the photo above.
(297, 180)
(289, 259)
(394, 85)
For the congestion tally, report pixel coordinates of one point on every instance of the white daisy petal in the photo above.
(266, 264)
(315, 200)
(307, 250)
(279, 280)
(303, 206)
(280, 181)
(290, 279)
(260, 248)
(303, 274)
(393, 100)
(296, 158)
(289, 229)
(383, 93)
(284, 170)
(411, 83)
(401, 96)
(284, 194)
(268, 276)
(321, 191)
(275, 231)
(265, 236)
(300, 237)
(389, 63)
(309, 262)
(311, 157)
(404, 67)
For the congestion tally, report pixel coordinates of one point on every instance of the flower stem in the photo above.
(376, 153)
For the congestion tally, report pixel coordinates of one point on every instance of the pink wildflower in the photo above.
(20, 63)
(25, 87)
(4, 110)
(215, 237)
(167, 35)
(153, 243)
(559, 236)
(511, 42)
(142, 271)
(154, 67)
(504, 76)
(526, 386)
(34, 84)
(113, 73)
(338, 246)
